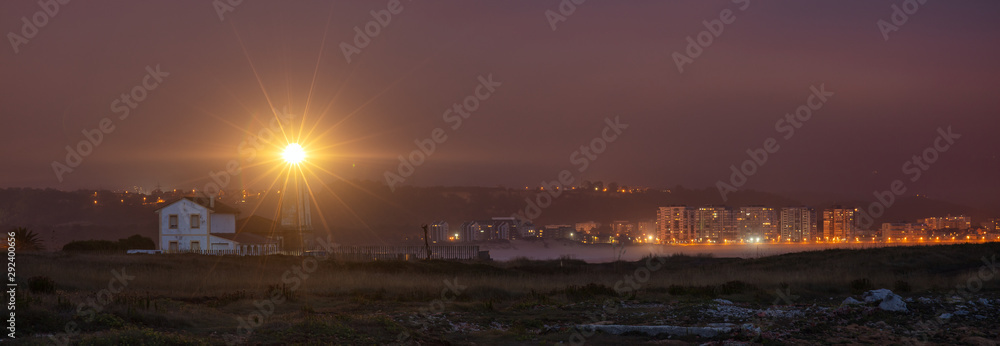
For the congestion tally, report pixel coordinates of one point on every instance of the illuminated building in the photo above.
(756, 224)
(675, 223)
(960, 222)
(839, 223)
(715, 224)
(798, 224)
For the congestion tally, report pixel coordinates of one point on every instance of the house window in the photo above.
(196, 221)
(195, 246)
(172, 247)
(173, 222)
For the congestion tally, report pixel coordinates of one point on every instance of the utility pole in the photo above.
(427, 245)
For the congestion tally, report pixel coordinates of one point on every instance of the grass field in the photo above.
(194, 299)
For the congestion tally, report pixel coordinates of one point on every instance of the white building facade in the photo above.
(186, 225)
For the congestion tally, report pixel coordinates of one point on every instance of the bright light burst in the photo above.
(294, 154)
(300, 167)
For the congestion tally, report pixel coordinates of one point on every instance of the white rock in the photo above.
(945, 316)
(961, 312)
(851, 301)
(773, 312)
(893, 303)
(925, 300)
(887, 300)
(705, 332)
(878, 295)
(723, 301)
(750, 327)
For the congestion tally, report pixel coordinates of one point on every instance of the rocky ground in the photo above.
(875, 317)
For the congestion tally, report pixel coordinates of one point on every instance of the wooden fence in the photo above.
(355, 253)
(368, 253)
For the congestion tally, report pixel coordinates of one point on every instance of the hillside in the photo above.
(367, 212)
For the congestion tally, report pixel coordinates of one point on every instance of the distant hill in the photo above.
(60, 217)
(366, 212)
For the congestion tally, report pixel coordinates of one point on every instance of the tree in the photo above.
(137, 242)
(613, 186)
(26, 240)
(426, 244)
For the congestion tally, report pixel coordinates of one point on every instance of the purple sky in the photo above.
(608, 59)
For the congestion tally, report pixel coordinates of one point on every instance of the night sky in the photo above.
(220, 79)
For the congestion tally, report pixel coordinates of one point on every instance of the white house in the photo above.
(197, 225)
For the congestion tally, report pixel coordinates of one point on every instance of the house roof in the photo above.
(244, 238)
(220, 208)
(257, 225)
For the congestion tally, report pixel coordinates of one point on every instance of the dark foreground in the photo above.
(945, 294)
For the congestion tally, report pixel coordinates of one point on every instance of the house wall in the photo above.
(223, 244)
(184, 234)
(223, 223)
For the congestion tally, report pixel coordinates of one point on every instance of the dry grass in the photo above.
(188, 276)
(202, 295)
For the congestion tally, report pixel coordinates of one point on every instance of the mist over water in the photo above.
(600, 253)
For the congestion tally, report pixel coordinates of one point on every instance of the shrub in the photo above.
(733, 287)
(41, 284)
(37, 321)
(588, 291)
(280, 290)
(134, 242)
(91, 245)
(861, 285)
(484, 293)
